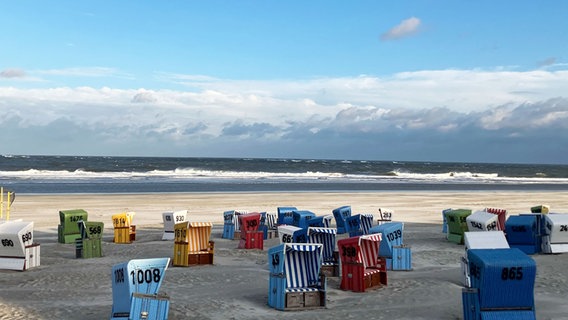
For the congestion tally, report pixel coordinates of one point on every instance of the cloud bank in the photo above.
(451, 115)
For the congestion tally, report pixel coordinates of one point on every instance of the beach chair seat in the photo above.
(385, 215)
(295, 281)
(268, 225)
(292, 234)
(555, 239)
(251, 237)
(524, 232)
(502, 217)
(68, 230)
(358, 224)
(480, 240)
(135, 286)
(301, 218)
(340, 214)
(170, 219)
(330, 257)
(89, 245)
(482, 221)
(361, 266)
(124, 229)
(231, 227)
(502, 285)
(457, 224)
(398, 256)
(18, 251)
(286, 215)
(192, 244)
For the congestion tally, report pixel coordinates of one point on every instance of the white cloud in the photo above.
(437, 108)
(405, 28)
(12, 73)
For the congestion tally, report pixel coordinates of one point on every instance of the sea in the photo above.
(97, 174)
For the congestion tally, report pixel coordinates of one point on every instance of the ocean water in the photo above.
(80, 174)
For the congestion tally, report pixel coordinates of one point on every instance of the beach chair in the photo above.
(457, 224)
(482, 221)
(192, 244)
(385, 215)
(251, 237)
(542, 208)
(358, 224)
(444, 221)
(330, 257)
(524, 232)
(480, 240)
(361, 266)
(320, 221)
(502, 216)
(286, 215)
(170, 219)
(231, 228)
(135, 286)
(555, 239)
(89, 245)
(124, 230)
(295, 281)
(268, 225)
(18, 250)
(398, 255)
(68, 229)
(502, 285)
(292, 234)
(340, 214)
(300, 218)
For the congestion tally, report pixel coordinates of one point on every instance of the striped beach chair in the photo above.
(358, 224)
(231, 228)
(192, 244)
(501, 214)
(135, 286)
(361, 266)
(295, 281)
(330, 257)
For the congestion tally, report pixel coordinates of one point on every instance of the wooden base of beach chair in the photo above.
(125, 234)
(305, 300)
(184, 258)
(330, 270)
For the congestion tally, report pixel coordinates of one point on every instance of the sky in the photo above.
(439, 80)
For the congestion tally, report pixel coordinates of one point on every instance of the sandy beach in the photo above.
(236, 286)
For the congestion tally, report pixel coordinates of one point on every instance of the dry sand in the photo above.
(236, 286)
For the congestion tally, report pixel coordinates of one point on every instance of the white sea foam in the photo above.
(191, 174)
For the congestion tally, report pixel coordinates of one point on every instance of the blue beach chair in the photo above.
(295, 282)
(135, 286)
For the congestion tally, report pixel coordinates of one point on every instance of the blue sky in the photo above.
(474, 81)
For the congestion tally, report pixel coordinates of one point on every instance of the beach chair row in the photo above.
(538, 231)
